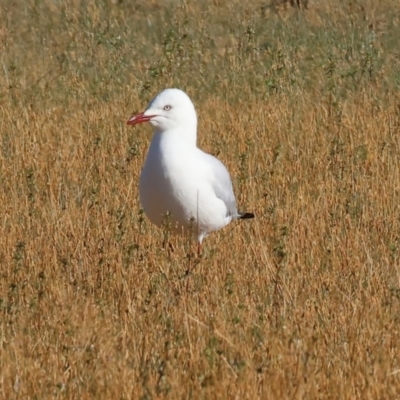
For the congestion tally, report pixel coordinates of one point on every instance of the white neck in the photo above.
(186, 134)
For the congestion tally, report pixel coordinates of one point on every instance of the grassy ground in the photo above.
(303, 106)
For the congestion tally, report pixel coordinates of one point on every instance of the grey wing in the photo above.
(222, 184)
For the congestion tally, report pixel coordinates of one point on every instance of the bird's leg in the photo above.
(192, 263)
(168, 247)
(198, 249)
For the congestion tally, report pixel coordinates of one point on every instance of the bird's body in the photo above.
(178, 192)
(180, 185)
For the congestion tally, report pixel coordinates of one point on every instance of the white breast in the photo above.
(175, 180)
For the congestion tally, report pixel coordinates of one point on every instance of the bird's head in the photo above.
(171, 109)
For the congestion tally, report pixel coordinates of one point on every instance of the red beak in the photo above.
(139, 118)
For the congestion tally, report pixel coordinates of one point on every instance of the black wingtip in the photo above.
(246, 216)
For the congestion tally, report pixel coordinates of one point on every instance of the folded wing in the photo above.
(222, 184)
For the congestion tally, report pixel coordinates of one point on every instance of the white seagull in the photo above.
(178, 179)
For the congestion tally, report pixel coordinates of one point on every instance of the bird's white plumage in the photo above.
(178, 179)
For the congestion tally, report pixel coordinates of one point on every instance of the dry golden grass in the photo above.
(303, 107)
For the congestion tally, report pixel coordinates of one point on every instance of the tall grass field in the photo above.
(301, 102)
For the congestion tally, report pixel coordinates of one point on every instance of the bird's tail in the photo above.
(245, 215)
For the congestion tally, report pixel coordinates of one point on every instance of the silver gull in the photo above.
(180, 183)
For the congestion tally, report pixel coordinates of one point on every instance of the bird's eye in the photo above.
(167, 108)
